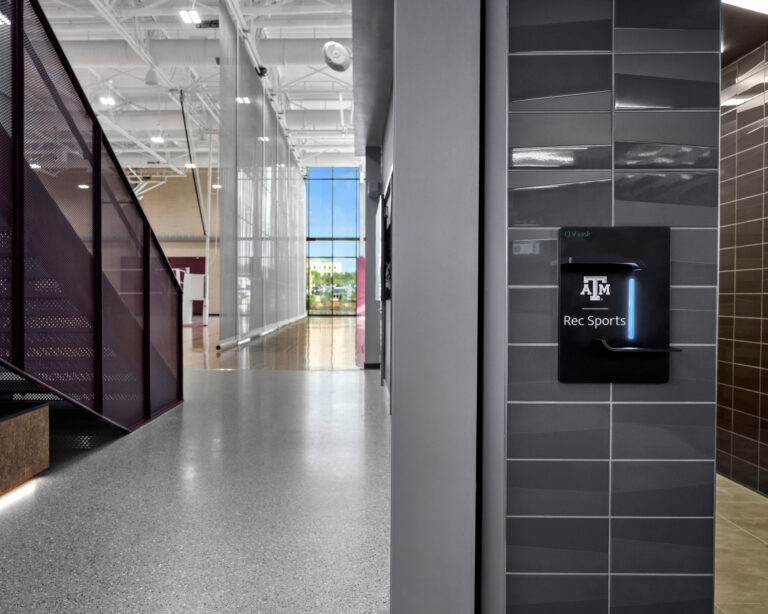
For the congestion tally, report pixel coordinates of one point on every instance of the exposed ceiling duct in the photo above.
(203, 52)
(142, 55)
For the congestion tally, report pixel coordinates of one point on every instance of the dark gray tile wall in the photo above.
(742, 410)
(614, 120)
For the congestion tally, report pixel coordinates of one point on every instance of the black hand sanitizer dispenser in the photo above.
(614, 305)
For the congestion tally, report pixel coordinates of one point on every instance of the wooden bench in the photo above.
(24, 443)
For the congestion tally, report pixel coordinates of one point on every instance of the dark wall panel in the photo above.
(613, 121)
(742, 413)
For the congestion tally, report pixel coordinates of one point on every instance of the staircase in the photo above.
(90, 311)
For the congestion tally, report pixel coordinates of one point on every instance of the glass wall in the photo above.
(333, 240)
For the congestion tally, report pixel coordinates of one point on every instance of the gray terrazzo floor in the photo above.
(267, 492)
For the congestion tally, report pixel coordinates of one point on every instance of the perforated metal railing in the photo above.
(89, 307)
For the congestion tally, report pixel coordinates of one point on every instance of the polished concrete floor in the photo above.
(267, 492)
(313, 343)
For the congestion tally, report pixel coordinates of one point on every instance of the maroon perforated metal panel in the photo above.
(6, 171)
(58, 223)
(122, 244)
(163, 328)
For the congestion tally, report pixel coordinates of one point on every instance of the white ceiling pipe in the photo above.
(154, 121)
(204, 52)
(295, 51)
(164, 121)
(313, 120)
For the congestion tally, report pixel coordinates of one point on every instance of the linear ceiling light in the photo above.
(216, 186)
(157, 139)
(107, 101)
(34, 165)
(83, 186)
(190, 165)
(759, 6)
(191, 16)
(263, 139)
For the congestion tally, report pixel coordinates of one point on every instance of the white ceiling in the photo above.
(113, 46)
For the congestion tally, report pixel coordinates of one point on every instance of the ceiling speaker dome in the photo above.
(337, 56)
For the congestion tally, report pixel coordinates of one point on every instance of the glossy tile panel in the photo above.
(674, 546)
(558, 431)
(533, 377)
(542, 594)
(663, 432)
(554, 198)
(667, 81)
(668, 488)
(559, 130)
(567, 82)
(660, 25)
(668, 198)
(560, 25)
(557, 488)
(661, 594)
(557, 545)
(666, 140)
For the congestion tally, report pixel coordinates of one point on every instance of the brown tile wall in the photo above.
(742, 374)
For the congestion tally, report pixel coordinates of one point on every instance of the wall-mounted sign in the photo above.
(614, 305)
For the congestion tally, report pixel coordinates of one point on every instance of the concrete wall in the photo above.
(436, 143)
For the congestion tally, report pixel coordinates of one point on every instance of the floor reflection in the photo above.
(313, 343)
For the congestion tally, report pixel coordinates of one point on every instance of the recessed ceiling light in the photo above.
(157, 139)
(190, 165)
(216, 186)
(34, 165)
(83, 186)
(759, 6)
(191, 16)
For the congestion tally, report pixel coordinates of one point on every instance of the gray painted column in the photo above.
(493, 557)
(372, 308)
(435, 305)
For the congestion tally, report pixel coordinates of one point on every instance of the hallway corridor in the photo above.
(267, 492)
(312, 343)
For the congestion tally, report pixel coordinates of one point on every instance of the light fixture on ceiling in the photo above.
(337, 56)
(83, 186)
(157, 139)
(34, 165)
(242, 100)
(759, 6)
(190, 16)
(108, 100)
(216, 186)
(190, 165)
(4, 21)
(263, 139)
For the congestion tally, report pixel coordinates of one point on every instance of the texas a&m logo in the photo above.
(595, 287)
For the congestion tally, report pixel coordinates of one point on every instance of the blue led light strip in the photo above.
(631, 312)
